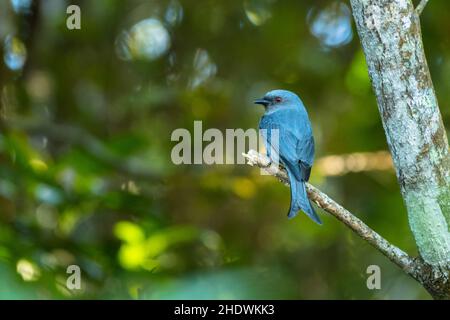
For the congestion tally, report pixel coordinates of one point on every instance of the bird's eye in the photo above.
(278, 99)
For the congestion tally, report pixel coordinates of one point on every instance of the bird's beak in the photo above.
(262, 101)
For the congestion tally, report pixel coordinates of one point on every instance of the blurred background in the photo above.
(86, 176)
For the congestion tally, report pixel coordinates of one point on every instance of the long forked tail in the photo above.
(300, 201)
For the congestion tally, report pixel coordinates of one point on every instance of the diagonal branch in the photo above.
(421, 6)
(396, 255)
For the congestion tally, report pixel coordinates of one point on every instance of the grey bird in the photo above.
(285, 112)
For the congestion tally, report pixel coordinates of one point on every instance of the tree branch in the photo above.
(421, 6)
(396, 255)
(436, 280)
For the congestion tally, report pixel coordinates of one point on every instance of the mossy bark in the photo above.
(391, 38)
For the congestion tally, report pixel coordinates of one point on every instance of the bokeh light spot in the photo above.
(15, 53)
(21, 6)
(331, 25)
(146, 40)
(27, 270)
(174, 13)
(257, 11)
(129, 232)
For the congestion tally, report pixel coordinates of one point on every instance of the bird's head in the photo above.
(278, 98)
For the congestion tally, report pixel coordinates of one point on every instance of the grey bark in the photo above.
(391, 38)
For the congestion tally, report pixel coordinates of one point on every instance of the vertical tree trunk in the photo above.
(390, 34)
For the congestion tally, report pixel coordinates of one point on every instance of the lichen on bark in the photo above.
(391, 38)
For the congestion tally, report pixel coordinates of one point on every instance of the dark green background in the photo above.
(85, 171)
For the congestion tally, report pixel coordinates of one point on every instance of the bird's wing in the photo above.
(296, 148)
(305, 150)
